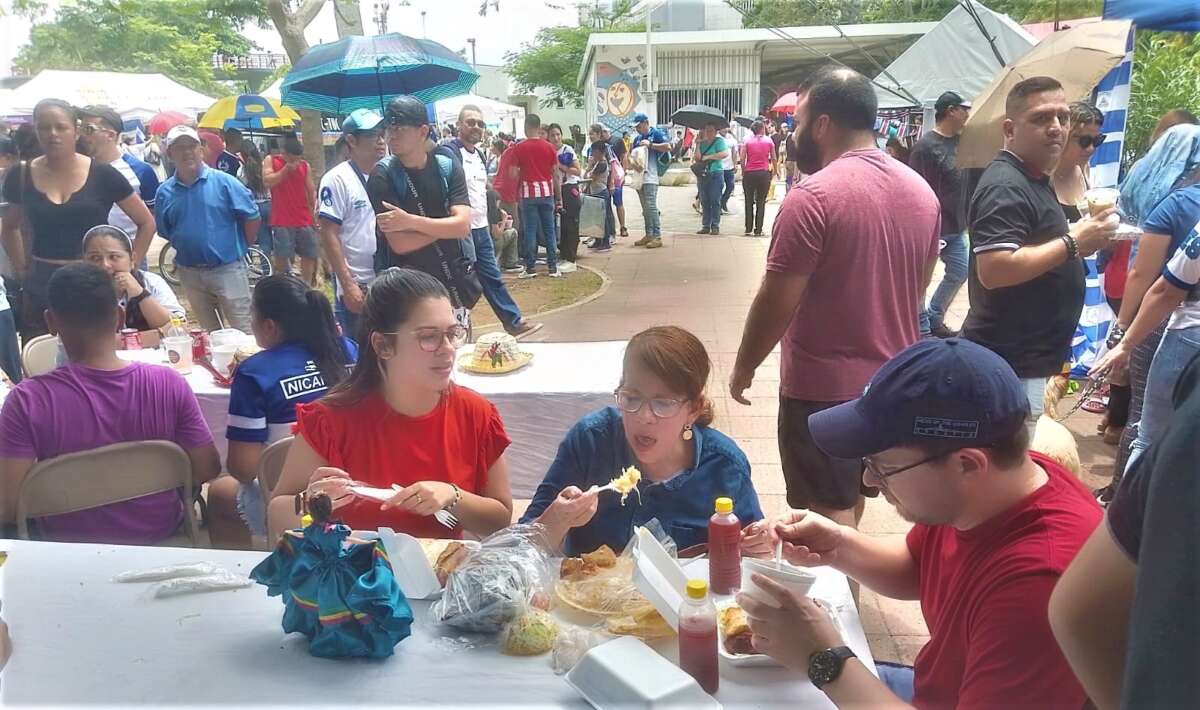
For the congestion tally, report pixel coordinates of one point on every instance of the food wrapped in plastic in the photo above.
(530, 634)
(342, 596)
(600, 583)
(509, 572)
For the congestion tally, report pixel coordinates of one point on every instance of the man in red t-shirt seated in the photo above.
(941, 428)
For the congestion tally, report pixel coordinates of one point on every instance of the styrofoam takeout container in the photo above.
(625, 673)
(791, 577)
(658, 576)
(410, 566)
(761, 659)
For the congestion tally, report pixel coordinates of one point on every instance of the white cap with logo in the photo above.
(181, 132)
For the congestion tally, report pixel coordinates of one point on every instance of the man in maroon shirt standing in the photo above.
(851, 254)
(534, 160)
(942, 431)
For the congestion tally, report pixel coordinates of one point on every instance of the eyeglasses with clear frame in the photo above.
(661, 407)
(430, 339)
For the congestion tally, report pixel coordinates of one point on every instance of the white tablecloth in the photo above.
(79, 638)
(539, 403)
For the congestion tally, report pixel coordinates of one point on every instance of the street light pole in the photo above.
(471, 41)
(424, 34)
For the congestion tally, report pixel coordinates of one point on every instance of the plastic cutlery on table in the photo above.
(445, 517)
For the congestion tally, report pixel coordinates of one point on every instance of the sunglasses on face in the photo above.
(474, 123)
(91, 128)
(1086, 142)
(632, 404)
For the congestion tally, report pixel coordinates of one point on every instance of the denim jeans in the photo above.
(348, 319)
(730, 180)
(488, 270)
(710, 199)
(1035, 392)
(1178, 348)
(954, 256)
(649, 199)
(898, 678)
(538, 212)
(224, 289)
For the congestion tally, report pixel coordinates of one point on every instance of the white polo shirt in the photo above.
(475, 172)
(344, 201)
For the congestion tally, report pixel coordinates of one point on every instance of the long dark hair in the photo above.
(305, 316)
(390, 301)
(253, 168)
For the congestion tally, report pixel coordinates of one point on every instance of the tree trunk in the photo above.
(348, 18)
(290, 26)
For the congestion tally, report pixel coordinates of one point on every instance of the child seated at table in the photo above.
(303, 358)
(661, 426)
(98, 399)
(148, 301)
(399, 420)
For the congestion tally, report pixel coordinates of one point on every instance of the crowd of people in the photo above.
(1007, 554)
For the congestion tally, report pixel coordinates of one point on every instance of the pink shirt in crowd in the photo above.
(757, 150)
(77, 408)
(864, 230)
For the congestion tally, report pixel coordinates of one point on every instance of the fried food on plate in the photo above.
(601, 557)
(735, 629)
(444, 556)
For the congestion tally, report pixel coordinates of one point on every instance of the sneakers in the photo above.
(655, 243)
(624, 232)
(714, 231)
(514, 269)
(747, 233)
(555, 274)
(525, 274)
(703, 230)
(599, 247)
(567, 267)
(758, 233)
(643, 241)
(725, 210)
(939, 330)
(523, 328)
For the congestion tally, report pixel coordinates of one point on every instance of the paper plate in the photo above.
(467, 362)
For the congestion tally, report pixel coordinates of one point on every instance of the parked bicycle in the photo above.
(258, 264)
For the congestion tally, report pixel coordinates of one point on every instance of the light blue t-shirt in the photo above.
(717, 146)
(204, 221)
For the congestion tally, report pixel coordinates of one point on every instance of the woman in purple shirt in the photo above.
(95, 400)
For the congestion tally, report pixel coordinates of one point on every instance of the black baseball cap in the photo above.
(950, 99)
(406, 110)
(941, 394)
(105, 114)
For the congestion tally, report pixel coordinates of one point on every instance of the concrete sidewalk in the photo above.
(706, 284)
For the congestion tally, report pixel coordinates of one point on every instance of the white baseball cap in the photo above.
(181, 132)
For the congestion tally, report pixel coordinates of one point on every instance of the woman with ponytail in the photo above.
(303, 357)
(399, 422)
(661, 425)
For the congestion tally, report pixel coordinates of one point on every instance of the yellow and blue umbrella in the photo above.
(367, 72)
(249, 113)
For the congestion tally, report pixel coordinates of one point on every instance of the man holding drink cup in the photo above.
(1026, 280)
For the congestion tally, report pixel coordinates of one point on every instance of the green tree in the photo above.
(175, 37)
(552, 60)
(800, 13)
(1166, 76)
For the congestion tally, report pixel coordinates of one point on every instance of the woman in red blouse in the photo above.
(398, 419)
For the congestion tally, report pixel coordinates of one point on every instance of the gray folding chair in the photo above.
(270, 466)
(109, 474)
(40, 355)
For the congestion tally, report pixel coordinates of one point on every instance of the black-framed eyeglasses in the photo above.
(430, 339)
(884, 475)
(1086, 142)
(662, 407)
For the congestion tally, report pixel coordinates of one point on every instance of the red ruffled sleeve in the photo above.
(323, 430)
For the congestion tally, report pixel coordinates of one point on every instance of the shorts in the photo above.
(618, 196)
(294, 241)
(812, 476)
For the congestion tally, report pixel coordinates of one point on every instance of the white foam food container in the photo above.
(658, 576)
(625, 673)
(761, 660)
(410, 566)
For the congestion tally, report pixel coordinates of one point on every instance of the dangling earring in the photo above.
(687, 433)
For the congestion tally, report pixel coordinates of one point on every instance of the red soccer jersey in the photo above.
(457, 442)
(985, 594)
(536, 159)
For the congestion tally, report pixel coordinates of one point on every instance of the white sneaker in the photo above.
(567, 267)
(527, 274)
(555, 274)
(514, 269)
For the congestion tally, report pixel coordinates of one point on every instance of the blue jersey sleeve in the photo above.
(247, 410)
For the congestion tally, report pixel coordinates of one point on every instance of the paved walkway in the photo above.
(706, 284)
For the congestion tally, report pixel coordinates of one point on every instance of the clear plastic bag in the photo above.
(208, 583)
(158, 574)
(509, 572)
(532, 633)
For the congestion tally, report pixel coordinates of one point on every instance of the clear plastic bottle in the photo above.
(698, 636)
(178, 344)
(724, 549)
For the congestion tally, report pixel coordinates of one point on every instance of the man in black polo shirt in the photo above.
(1025, 279)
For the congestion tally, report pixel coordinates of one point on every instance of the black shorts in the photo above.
(812, 476)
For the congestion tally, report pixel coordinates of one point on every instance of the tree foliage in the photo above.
(175, 37)
(552, 60)
(800, 13)
(1166, 76)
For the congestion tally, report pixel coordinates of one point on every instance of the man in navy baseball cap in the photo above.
(941, 430)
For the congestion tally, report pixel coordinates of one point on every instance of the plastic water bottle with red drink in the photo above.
(698, 636)
(724, 549)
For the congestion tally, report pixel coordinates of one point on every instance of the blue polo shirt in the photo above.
(595, 451)
(203, 221)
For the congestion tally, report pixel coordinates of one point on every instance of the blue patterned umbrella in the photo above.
(367, 72)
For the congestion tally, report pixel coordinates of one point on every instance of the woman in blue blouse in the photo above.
(661, 426)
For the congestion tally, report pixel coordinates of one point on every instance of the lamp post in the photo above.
(471, 41)
(380, 16)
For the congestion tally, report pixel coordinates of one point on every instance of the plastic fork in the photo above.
(446, 518)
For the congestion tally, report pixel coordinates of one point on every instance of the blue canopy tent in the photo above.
(1167, 15)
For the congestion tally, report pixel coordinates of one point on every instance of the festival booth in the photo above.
(499, 116)
(139, 96)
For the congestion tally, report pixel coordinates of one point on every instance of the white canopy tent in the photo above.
(131, 95)
(498, 115)
(274, 91)
(954, 56)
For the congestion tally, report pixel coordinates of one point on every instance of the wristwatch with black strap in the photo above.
(824, 667)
